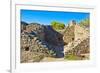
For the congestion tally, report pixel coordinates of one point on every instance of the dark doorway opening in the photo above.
(72, 39)
(26, 48)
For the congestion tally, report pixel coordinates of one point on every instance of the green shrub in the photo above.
(72, 57)
(57, 25)
(85, 23)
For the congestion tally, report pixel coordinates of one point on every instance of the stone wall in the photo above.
(35, 28)
(40, 41)
(74, 32)
(82, 48)
(32, 48)
(76, 40)
(81, 33)
(68, 34)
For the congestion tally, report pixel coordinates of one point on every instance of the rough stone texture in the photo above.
(37, 29)
(68, 34)
(39, 41)
(80, 48)
(74, 32)
(23, 26)
(31, 43)
(76, 40)
(80, 33)
(32, 48)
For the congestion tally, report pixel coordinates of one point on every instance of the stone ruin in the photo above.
(76, 40)
(39, 41)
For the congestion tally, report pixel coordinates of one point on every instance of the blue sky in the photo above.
(46, 17)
